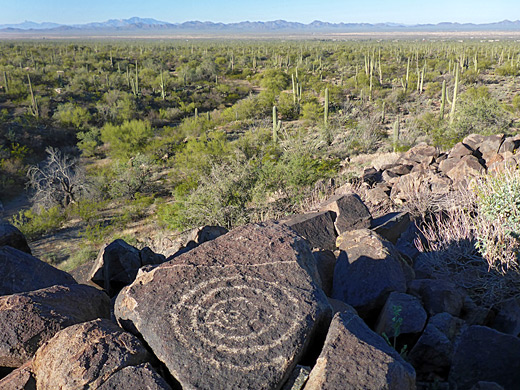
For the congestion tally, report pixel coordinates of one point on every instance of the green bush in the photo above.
(34, 225)
(127, 139)
(72, 115)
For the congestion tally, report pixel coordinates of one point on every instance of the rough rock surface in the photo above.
(85, 356)
(507, 317)
(235, 312)
(117, 264)
(350, 212)
(484, 354)
(392, 225)
(354, 357)
(22, 272)
(27, 320)
(316, 228)
(432, 354)
(141, 377)
(410, 310)
(438, 296)
(20, 379)
(10, 235)
(368, 273)
(325, 262)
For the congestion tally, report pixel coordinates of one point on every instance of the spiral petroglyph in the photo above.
(234, 316)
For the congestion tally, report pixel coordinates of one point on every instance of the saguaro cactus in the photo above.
(326, 108)
(443, 98)
(276, 125)
(454, 101)
(34, 103)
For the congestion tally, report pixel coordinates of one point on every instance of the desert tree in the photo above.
(58, 181)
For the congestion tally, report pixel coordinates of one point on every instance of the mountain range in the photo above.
(148, 24)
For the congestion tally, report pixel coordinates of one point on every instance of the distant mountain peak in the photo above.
(280, 25)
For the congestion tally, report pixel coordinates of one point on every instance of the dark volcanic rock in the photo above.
(368, 273)
(410, 310)
(390, 226)
(354, 357)
(484, 354)
(325, 262)
(10, 235)
(117, 264)
(27, 320)
(507, 318)
(316, 228)
(433, 353)
(138, 377)
(21, 272)
(236, 312)
(350, 212)
(438, 296)
(85, 356)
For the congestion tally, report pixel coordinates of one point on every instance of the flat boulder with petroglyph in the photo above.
(237, 312)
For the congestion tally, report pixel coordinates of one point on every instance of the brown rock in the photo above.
(85, 356)
(20, 379)
(467, 168)
(350, 212)
(447, 165)
(10, 235)
(141, 377)
(243, 305)
(22, 272)
(460, 150)
(367, 271)
(354, 357)
(421, 154)
(316, 228)
(27, 320)
(484, 354)
(390, 226)
(206, 233)
(491, 144)
(411, 313)
(473, 141)
(117, 264)
(438, 296)
(325, 262)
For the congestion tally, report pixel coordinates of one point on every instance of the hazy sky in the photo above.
(371, 11)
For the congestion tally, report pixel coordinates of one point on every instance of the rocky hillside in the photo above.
(331, 299)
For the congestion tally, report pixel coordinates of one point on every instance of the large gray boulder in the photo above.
(21, 272)
(86, 356)
(354, 357)
(236, 312)
(367, 270)
(484, 354)
(10, 235)
(27, 320)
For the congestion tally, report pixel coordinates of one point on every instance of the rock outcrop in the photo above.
(235, 312)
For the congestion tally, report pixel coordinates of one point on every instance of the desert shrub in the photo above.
(88, 141)
(507, 70)
(36, 224)
(478, 113)
(128, 138)
(72, 115)
(474, 241)
(312, 111)
(131, 177)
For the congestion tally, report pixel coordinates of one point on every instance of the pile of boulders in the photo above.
(332, 299)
